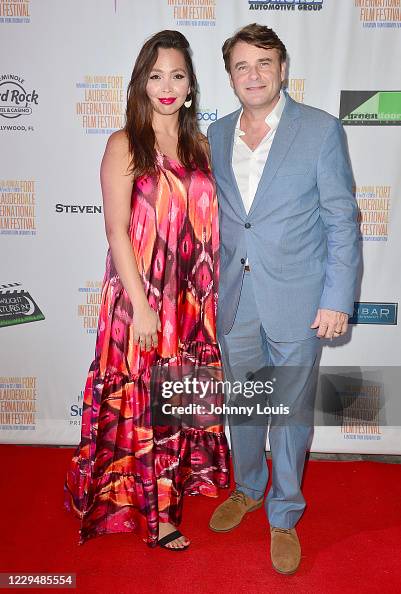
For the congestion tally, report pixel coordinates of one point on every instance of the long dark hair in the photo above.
(191, 150)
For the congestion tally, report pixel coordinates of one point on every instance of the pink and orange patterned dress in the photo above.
(127, 474)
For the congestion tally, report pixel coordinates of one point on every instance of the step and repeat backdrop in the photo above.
(64, 69)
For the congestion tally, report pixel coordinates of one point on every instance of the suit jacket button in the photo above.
(242, 260)
(247, 225)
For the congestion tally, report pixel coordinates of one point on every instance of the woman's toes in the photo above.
(180, 542)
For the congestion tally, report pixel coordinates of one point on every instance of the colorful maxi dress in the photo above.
(127, 474)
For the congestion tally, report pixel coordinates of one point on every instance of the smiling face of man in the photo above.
(256, 75)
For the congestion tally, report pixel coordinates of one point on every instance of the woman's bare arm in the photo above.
(117, 189)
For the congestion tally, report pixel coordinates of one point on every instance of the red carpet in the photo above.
(350, 536)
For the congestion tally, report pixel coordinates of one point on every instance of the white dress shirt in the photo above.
(248, 165)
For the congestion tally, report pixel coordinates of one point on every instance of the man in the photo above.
(289, 260)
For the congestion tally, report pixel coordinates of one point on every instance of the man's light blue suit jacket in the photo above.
(300, 235)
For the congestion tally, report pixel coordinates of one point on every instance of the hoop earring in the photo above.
(188, 101)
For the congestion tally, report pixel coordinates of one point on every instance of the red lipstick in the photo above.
(167, 100)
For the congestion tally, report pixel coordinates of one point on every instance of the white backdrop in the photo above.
(65, 66)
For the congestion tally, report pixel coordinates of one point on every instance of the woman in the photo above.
(158, 311)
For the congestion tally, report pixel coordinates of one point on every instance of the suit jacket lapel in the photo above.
(283, 138)
(228, 147)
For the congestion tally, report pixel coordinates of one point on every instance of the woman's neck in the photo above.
(165, 125)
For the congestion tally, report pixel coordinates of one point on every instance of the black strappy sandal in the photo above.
(169, 538)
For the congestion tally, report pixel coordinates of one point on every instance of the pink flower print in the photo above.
(168, 331)
(145, 184)
(203, 203)
(186, 246)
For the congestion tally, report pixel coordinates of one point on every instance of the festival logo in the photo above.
(379, 14)
(195, 13)
(353, 400)
(374, 204)
(370, 108)
(89, 307)
(383, 314)
(16, 100)
(296, 88)
(18, 398)
(100, 109)
(14, 12)
(17, 207)
(17, 306)
(360, 411)
(287, 5)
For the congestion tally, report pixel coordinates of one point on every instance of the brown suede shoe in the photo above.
(285, 549)
(229, 514)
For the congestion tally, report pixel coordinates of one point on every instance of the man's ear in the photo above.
(283, 71)
(231, 80)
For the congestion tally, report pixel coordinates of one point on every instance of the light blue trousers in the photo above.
(247, 348)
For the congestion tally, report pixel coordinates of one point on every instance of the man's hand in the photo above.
(330, 324)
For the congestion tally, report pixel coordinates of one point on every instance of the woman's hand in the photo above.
(146, 324)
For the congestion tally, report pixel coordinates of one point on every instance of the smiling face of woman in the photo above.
(168, 83)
